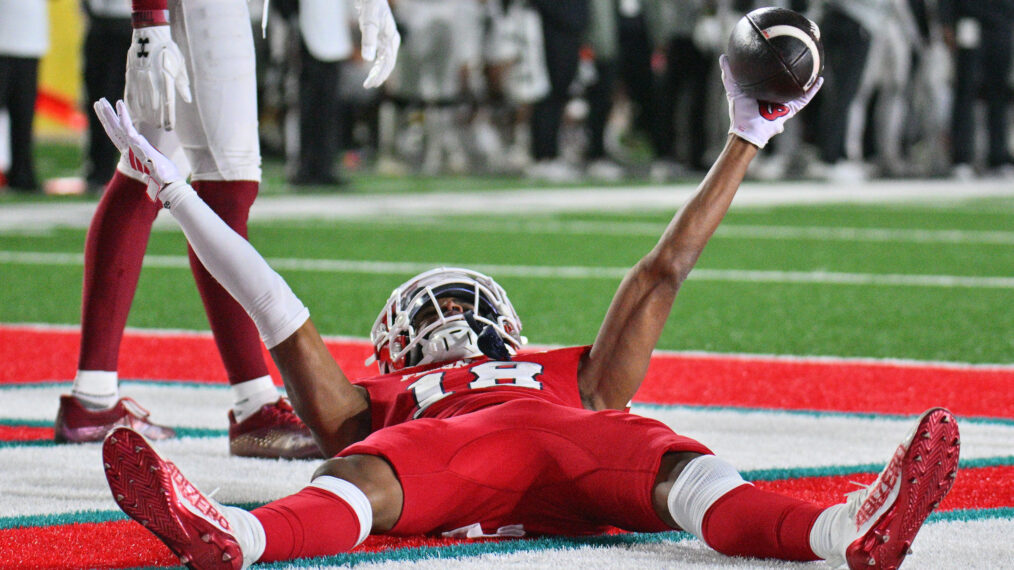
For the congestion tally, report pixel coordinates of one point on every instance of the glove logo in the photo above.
(772, 111)
(141, 48)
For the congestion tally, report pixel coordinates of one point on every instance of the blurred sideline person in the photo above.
(887, 72)
(107, 38)
(24, 39)
(325, 42)
(979, 34)
(202, 51)
(442, 45)
(563, 29)
(462, 435)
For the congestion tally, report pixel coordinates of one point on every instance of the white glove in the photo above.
(757, 121)
(380, 39)
(155, 68)
(161, 171)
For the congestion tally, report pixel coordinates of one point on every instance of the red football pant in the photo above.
(749, 522)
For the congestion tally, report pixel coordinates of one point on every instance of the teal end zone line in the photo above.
(213, 385)
(465, 550)
(84, 517)
(838, 470)
(181, 432)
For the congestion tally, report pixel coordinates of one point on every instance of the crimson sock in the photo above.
(236, 336)
(749, 522)
(117, 238)
(313, 522)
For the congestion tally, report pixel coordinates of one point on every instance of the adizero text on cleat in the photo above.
(153, 492)
(892, 509)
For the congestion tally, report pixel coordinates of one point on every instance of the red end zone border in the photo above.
(32, 354)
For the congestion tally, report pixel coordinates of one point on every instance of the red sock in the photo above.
(236, 336)
(749, 522)
(114, 249)
(313, 522)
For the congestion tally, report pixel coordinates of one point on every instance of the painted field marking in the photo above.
(554, 272)
(34, 354)
(652, 229)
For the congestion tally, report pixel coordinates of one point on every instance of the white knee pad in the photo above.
(703, 481)
(355, 498)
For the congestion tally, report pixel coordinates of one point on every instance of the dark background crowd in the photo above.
(597, 90)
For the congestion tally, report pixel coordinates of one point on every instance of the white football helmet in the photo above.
(400, 342)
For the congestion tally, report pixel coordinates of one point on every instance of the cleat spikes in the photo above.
(113, 440)
(206, 537)
(226, 557)
(119, 497)
(871, 562)
(917, 458)
(184, 559)
(945, 420)
(107, 466)
(885, 537)
(138, 449)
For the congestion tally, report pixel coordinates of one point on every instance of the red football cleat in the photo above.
(274, 432)
(153, 492)
(889, 512)
(77, 424)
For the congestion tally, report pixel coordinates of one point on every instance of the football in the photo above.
(775, 54)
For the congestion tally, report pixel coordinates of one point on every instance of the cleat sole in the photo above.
(143, 488)
(928, 469)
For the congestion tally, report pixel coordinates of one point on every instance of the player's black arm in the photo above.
(618, 361)
(336, 411)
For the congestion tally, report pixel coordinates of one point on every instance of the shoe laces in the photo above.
(134, 409)
(283, 413)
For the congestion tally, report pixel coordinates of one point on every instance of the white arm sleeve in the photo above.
(235, 263)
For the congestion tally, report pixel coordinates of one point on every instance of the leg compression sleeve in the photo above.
(328, 517)
(235, 334)
(235, 263)
(711, 500)
(114, 248)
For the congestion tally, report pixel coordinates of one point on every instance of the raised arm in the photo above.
(335, 411)
(616, 365)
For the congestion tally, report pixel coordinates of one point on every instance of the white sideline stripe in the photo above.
(653, 229)
(34, 217)
(551, 272)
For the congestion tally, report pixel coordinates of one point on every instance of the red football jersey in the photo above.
(450, 389)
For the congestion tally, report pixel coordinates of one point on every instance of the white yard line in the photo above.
(555, 272)
(41, 215)
(653, 229)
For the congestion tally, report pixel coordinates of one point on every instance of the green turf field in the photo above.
(937, 301)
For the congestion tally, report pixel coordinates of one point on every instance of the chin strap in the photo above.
(489, 342)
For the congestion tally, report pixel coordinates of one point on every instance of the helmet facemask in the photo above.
(413, 328)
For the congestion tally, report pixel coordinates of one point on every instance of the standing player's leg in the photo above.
(219, 134)
(114, 249)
